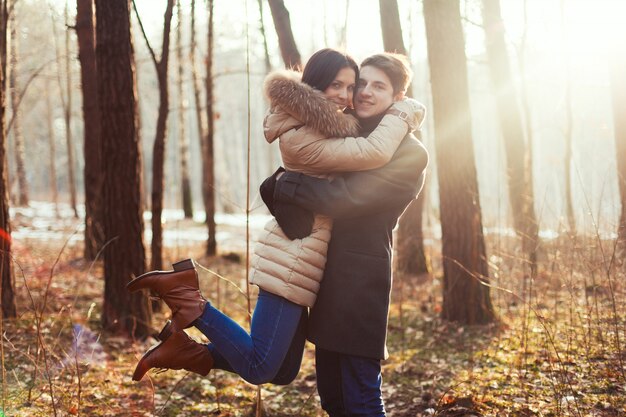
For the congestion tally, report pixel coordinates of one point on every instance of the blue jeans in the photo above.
(349, 385)
(272, 352)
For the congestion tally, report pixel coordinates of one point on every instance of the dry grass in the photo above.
(558, 349)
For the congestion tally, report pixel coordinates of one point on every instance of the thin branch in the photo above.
(472, 22)
(145, 36)
(32, 77)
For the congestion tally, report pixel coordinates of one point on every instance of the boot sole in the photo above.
(135, 285)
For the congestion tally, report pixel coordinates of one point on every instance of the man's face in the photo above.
(374, 93)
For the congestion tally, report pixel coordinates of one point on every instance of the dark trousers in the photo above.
(348, 385)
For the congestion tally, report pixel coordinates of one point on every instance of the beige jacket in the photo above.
(317, 139)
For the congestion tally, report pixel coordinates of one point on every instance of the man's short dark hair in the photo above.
(396, 66)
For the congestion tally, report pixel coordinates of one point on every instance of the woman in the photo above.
(316, 138)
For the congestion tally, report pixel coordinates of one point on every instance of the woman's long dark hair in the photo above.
(323, 66)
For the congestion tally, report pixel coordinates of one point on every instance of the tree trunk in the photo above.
(18, 138)
(618, 91)
(521, 195)
(286, 42)
(93, 169)
(208, 182)
(68, 117)
(266, 52)
(52, 144)
(465, 299)
(567, 135)
(391, 26)
(124, 257)
(183, 139)
(343, 38)
(200, 116)
(158, 151)
(6, 265)
(410, 237)
(271, 163)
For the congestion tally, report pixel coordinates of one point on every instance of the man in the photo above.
(348, 323)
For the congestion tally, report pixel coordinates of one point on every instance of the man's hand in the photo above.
(267, 189)
(295, 221)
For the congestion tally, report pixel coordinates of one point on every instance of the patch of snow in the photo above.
(40, 221)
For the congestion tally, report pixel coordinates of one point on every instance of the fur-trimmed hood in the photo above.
(294, 103)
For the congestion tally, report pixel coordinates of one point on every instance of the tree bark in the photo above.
(521, 195)
(85, 32)
(208, 183)
(200, 115)
(68, 117)
(6, 265)
(183, 139)
(52, 145)
(286, 42)
(391, 26)
(266, 52)
(18, 137)
(158, 151)
(410, 237)
(465, 298)
(618, 95)
(124, 257)
(567, 156)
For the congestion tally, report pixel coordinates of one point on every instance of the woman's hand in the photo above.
(415, 112)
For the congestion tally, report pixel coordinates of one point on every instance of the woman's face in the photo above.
(341, 89)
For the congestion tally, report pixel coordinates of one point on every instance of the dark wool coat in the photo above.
(351, 311)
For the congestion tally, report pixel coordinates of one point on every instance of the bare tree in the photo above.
(567, 134)
(200, 116)
(183, 139)
(391, 26)
(465, 298)
(286, 42)
(410, 247)
(124, 255)
(66, 100)
(618, 93)
(158, 151)
(85, 31)
(208, 180)
(266, 53)
(521, 195)
(6, 266)
(18, 137)
(52, 145)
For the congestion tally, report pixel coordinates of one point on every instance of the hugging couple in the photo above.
(323, 264)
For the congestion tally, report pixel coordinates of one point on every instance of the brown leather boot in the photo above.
(179, 351)
(178, 288)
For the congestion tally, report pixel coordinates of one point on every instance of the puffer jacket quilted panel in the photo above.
(291, 268)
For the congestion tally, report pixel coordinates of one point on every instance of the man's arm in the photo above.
(359, 193)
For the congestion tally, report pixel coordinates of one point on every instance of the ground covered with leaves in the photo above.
(558, 348)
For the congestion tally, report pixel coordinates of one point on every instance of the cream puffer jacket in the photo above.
(317, 139)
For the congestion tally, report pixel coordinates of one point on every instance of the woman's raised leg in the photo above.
(257, 357)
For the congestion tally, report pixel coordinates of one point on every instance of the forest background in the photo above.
(524, 94)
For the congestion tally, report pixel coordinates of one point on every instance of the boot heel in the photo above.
(166, 332)
(183, 265)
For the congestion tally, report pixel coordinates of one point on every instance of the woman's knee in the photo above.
(285, 378)
(260, 376)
